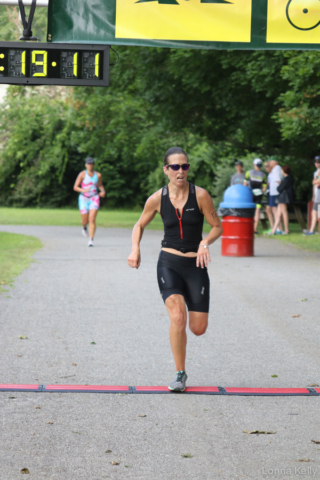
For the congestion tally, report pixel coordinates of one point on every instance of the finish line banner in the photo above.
(208, 24)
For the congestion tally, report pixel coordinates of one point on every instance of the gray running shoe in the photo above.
(85, 232)
(179, 384)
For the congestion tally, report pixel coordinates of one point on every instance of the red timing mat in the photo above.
(86, 388)
(268, 391)
(19, 387)
(160, 389)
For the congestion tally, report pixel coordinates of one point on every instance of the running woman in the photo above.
(182, 266)
(87, 185)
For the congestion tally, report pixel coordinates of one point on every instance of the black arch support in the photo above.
(27, 24)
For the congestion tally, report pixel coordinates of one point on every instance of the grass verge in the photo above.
(15, 255)
(71, 218)
(295, 238)
(126, 219)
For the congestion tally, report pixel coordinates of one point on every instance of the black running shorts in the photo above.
(257, 199)
(180, 275)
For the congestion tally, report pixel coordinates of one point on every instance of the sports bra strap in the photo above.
(165, 189)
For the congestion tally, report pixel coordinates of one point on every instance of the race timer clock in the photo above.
(54, 64)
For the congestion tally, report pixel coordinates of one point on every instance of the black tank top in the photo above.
(182, 229)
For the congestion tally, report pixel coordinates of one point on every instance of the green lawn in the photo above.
(71, 217)
(126, 219)
(312, 244)
(15, 255)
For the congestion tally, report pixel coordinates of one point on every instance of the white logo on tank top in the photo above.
(202, 291)
(189, 209)
(162, 280)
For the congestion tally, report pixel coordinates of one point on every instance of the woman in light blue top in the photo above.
(87, 184)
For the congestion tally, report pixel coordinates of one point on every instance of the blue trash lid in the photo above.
(237, 196)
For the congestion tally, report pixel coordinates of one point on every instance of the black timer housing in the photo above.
(54, 64)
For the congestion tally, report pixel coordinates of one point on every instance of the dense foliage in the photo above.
(218, 105)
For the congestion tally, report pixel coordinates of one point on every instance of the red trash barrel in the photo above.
(237, 211)
(237, 237)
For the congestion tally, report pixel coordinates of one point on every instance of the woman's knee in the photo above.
(178, 318)
(198, 323)
(198, 330)
(177, 313)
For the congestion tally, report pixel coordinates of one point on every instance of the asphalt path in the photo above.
(264, 321)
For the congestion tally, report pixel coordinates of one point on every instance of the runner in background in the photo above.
(87, 184)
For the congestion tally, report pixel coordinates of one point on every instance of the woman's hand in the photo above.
(102, 194)
(134, 259)
(203, 256)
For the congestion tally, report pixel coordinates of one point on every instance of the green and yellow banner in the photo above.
(219, 24)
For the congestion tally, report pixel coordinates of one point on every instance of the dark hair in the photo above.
(286, 169)
(173, 151)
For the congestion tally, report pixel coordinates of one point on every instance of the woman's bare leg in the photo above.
(270, 216)
(84, 219)
(92, 222)
(285, 217)
(314, 218)
(176, 307)
(198, 322)
(256, 218)
(274, 211)
(277, 219)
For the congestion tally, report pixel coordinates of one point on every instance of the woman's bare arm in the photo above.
(207, 208)
(77, 184)
(100, 186)
(150, 210)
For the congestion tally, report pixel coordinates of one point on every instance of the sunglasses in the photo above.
(176, 167)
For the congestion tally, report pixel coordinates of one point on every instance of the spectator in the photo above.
(285, 190)
(274, 179)
(257, 181)
(239, 177)
(267, 193)
(315, 198)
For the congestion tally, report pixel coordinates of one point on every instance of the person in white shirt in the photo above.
(274, 177)
(268, 208)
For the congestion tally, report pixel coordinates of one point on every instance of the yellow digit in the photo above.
(96, 70)
(75, 64)
(23, 63)
(42, 63)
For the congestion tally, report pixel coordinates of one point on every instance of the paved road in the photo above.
(72, 296)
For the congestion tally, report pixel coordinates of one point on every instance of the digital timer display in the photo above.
(54, 64)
